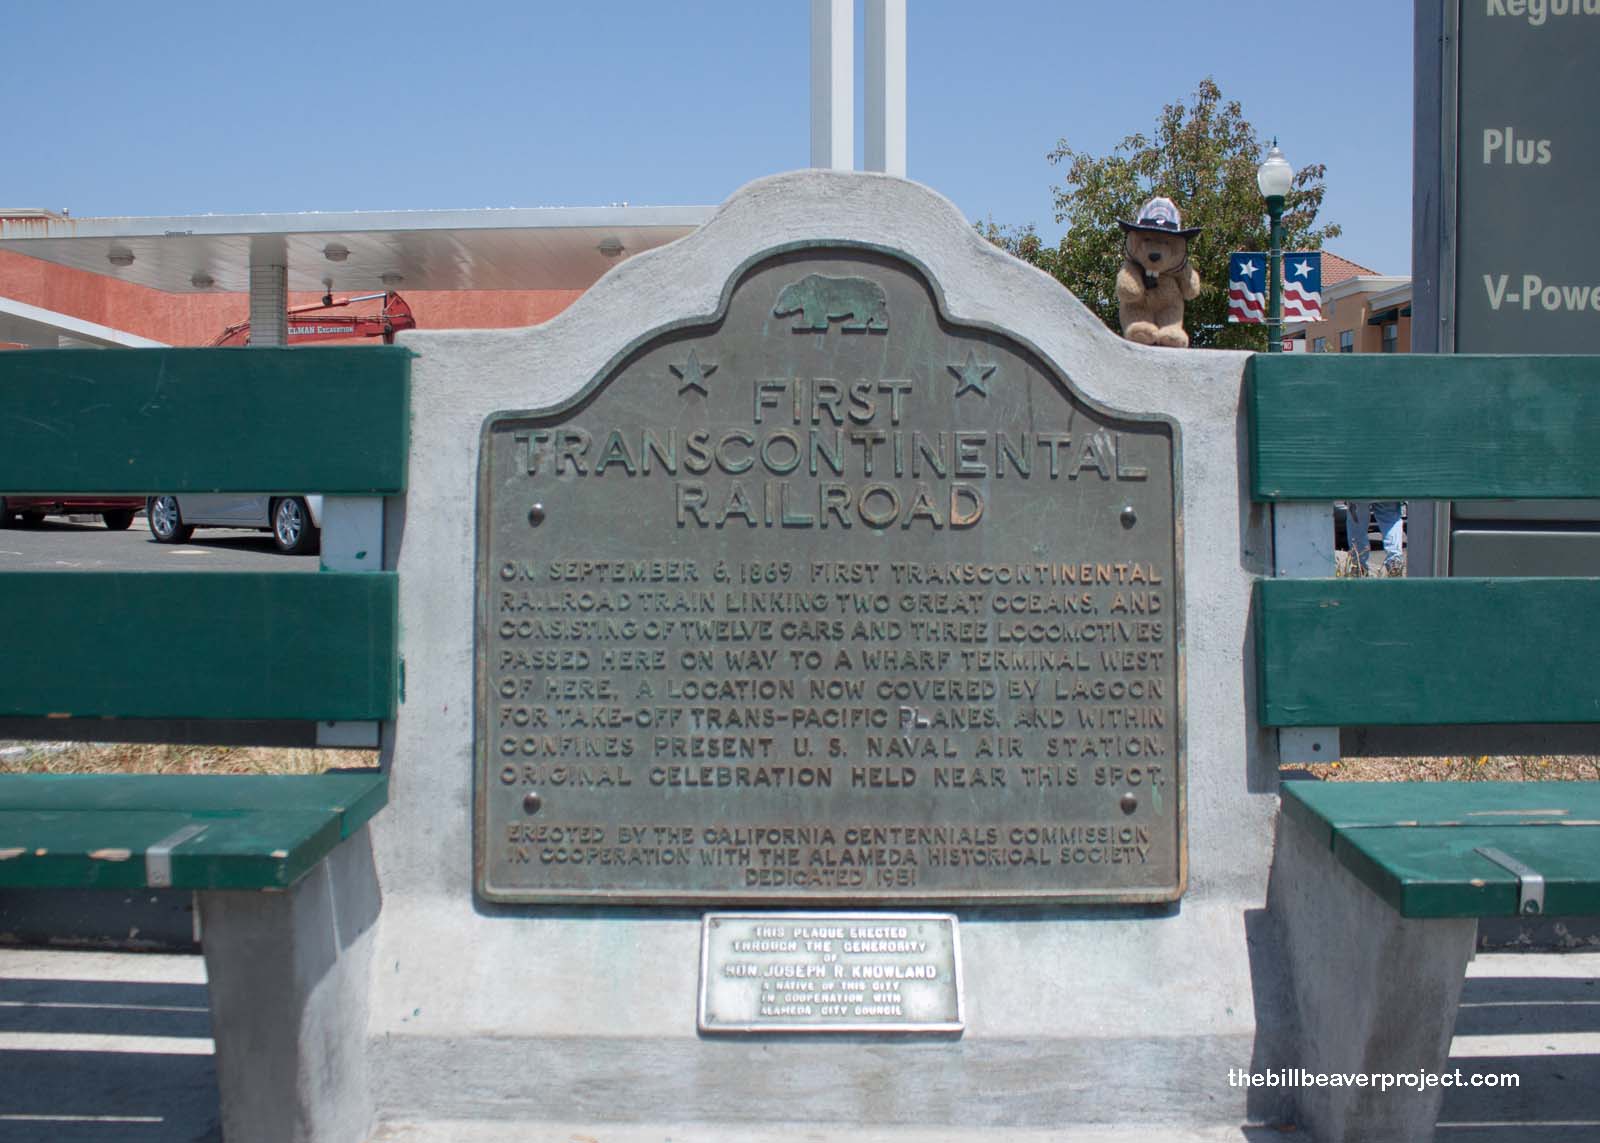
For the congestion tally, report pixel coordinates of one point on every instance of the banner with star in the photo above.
(1302, 286)
(1247, 287)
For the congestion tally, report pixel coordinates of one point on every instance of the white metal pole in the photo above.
(269, 292)
(1302, 548)
(832, 84)
(885, 101)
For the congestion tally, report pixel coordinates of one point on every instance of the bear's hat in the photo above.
(1160, 216)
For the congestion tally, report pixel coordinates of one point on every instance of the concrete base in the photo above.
(1074, 1021)
(289, 978)
(1374, 992)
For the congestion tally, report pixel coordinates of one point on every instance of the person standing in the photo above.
(1390, 524)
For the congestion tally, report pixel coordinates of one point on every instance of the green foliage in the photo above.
(1202, 156)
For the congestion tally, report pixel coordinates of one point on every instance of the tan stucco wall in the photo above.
(1351, 313)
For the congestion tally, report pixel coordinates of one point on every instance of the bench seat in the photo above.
(182, 831)
(1416, 844)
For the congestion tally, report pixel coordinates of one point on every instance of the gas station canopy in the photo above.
(536, 248)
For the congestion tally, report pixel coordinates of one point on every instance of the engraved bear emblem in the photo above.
(819, 300)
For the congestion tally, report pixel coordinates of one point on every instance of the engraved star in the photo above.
(972, 375)
(693, 373)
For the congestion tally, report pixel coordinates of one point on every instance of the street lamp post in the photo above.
(1274, 177)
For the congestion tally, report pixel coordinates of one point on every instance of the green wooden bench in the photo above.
(281, 866)
(1378, 887)
(105, 655)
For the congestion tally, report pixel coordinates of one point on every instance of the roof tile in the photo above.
(1336, 269)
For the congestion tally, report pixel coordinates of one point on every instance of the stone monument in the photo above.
(826, 706)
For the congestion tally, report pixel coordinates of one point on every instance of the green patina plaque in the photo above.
(827, 599)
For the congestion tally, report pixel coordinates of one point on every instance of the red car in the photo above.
(116, 511)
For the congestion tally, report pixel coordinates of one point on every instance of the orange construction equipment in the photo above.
(395, 315)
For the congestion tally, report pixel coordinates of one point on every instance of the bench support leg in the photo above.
(288, 977)
(1374, 992)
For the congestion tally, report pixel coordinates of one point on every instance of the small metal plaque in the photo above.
(830, 972)
(828, 601)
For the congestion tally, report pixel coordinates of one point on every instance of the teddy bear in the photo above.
(1156, 277)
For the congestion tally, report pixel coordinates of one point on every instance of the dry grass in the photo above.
(97, 758)
(1484, 768)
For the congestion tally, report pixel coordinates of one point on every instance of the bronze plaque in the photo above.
(827, 599)
(830, 972)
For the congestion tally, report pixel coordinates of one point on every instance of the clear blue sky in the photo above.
(189, 108)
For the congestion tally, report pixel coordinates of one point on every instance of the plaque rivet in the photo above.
(1129, 803)
(532, 802)
(1129, 516)
(536, 515)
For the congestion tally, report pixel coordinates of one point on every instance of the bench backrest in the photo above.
(200, 645)
(207, 645)
(1418, 651)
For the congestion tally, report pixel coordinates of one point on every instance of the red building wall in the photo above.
(195, 319)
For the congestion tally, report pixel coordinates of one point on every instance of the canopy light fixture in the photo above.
(120, 256)
(334, 252)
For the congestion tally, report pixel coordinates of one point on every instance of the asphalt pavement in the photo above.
(60, 544)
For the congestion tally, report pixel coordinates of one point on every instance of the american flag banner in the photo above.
(1302, 286)
(1247, 287)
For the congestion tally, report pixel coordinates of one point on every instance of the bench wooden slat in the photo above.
(1427, 651)
(351, 796)
(328, 420)
(233, 645)
(1415, 843)
(87, 849)
(1452, 427)
(1435, 871)
(1326, 806)
(246, 832)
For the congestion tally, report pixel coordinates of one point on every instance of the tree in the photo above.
(1203, 157)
